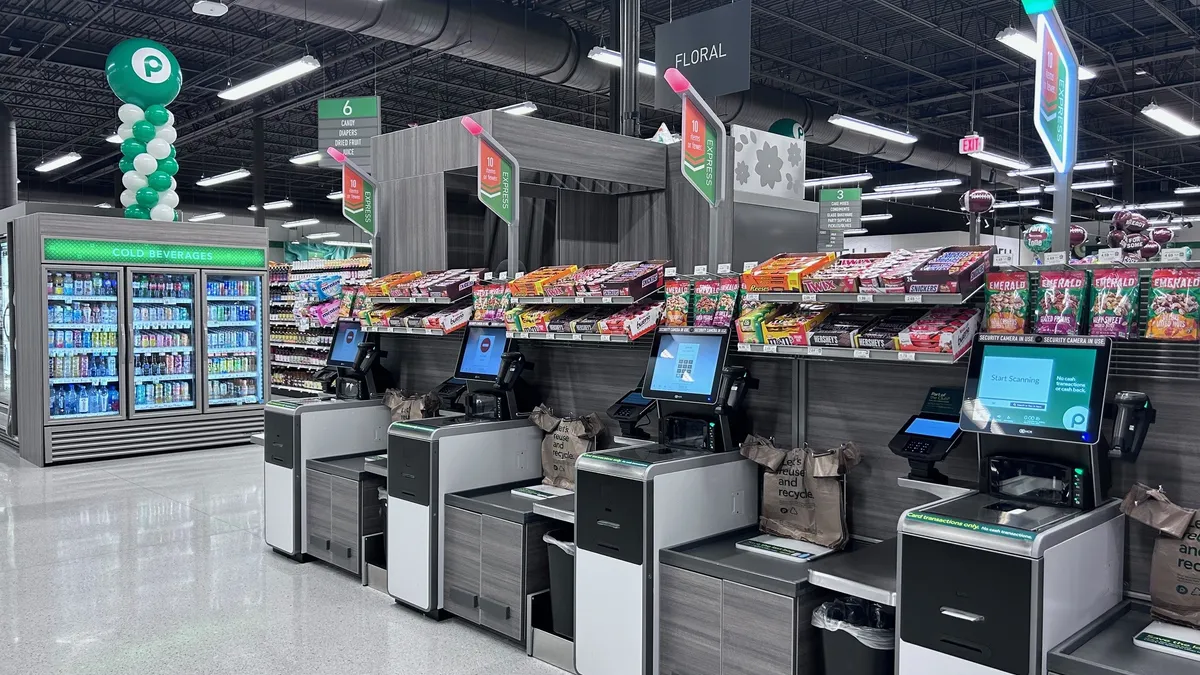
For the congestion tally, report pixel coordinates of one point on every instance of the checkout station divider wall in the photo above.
(822, 402)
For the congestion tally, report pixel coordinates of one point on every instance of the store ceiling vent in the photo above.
(210, 8)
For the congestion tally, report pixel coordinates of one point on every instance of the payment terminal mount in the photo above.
(495, 389)
(353, 370)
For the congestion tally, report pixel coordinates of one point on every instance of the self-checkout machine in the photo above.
(990, 581)
(349, 418)
(493, 444)
(630, 502)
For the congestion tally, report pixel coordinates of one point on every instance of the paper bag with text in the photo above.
(566, 439)
(406, 407)
(1175, 564)
(804, 495)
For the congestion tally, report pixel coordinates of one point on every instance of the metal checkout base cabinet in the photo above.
(989, 604)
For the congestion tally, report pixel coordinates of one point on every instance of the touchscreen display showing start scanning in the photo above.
(923, 426)
(482, 353)
(344, 350)
(686, 366)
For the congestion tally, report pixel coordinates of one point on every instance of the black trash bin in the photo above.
(561, 545)
(854, 650)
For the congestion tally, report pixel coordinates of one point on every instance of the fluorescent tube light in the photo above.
(1048, 170)
(103, 205)
(273, 206)
(205, 217)
(301, 223)
(1172, 221)
(335, 195)
(352, 244)
(523, 108)
(323, 235)
(223, 177)
(271, 79)
(58, 162)
(307, 158)
(876, 217)
(1044, 219)
(839, 180)
(861, 230)
(1187, 190)
(1089, 185)
(610, 57)
(1027, 45)
(945, 182)
(870, 129)
(1017, 204)
(1171, 120)
(1000, 160)
(1148, 206)
(900, 194)
(115, 139)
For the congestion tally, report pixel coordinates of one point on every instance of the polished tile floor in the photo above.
(156, 566)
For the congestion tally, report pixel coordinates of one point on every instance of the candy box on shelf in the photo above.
(1114, 302)
(563, 322)
(416, 318)
(569, 285)
(636, 282)
(383, 286)
(792, 325)
(885, 333)
(842, 276)
(1006, 302)
(839, 330)
(957, 269)
(750, 323)
(534, 283)
(727, 300)
(890, 273)
(512, 318)
(945, 330)
(783, 273)
(642, 319)
(455, 286)
(449, 319)
(490, 301)
(537, 319)
(1062, 297)
(1174, 311)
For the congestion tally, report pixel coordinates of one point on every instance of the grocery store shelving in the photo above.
(162, 325)
(103, 327)
(300, 390)
(84, 380)
(166, 406)
(226, 351)
(81, 298)
(411, 300)
(569, 337)
(229, 376)
(299, 345)
(852, 353)
(69, 351)
(231, 324)
(866, 298)
(174, 377)
(162, 301)
(239, 399)
(581, 299)
(301, 366)
(162, 350)
(80, 416)
(404, 330)
(232, 298)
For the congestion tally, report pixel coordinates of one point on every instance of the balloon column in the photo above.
(146, 76)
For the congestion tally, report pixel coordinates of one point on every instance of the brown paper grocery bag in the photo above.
(407, 407)
(805, 498)
(566, 439)
(1175, 577)
(1150, 506)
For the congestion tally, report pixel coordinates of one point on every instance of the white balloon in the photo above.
(170, 119)
(174, 185)
(125, 131)
(158, 149)
(169, 198)
(162, 212)
(130, 113)
(145, 163)
(132, 180)
(167, 133)
(128, 198)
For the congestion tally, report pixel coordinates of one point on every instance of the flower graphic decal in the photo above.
(795, 154)
(742, 173)
(769, 165)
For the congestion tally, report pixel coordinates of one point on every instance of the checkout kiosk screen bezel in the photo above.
(344, 325)
(462, 352)
(707, 397)
(976, 418)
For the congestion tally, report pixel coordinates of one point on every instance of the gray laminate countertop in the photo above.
(497, 501)
(1106, 648)
(869, 572)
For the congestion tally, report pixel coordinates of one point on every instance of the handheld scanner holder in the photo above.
(731, 392)
(1134, 416)
(366, 358)
(512, 364)
(497, 399)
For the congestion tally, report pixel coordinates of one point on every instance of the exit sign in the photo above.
(970, 144)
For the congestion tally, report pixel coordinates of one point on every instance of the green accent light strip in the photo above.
(998, 530)
(142, 253)
(618, 460)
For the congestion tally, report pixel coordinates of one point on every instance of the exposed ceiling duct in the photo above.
(502, 35)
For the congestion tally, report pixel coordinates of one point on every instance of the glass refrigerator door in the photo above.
(162, 304)
(233, 338)
(83, 327)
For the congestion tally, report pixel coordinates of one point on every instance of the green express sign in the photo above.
(142, 253)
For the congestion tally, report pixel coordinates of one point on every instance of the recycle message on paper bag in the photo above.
(1175, 577)
(566, 439)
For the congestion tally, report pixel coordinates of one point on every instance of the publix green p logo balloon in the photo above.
(143, 72)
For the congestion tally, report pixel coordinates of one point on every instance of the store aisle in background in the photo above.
(157, 565)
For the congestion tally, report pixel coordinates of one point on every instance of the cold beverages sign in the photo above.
(1056, 93)
(498, 175)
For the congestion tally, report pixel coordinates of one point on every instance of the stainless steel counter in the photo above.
(868, 572)
(1106, 648)
(559, 508)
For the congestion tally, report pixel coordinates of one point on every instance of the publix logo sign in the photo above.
(143, 73)
(152, 65)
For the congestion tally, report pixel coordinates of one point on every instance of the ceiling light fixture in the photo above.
(213, 8)
(861, 230)
(1044, 219)
(300, 223)
(115, 139)
(1148, 206)
(352, 244)
(307, 158)
(103, 205)
(1171, 221)
(876, 217)
(1000, 160)
(1027, 45)
(946, 182)
(323, 235)
(1171, 120)
(523, 108)
(271, 79)
(334, 195)
(1187, 190)
(1017, 204)
(205, 217)
(1048, 170)
(58, 162)
(839, 180)
(610, 57)
(1088, 185)
(236, 174)
(273, 206)
(927, 192)
(872, 129)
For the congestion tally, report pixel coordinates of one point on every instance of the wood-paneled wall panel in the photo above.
(412, 217)
(542, 145)
(425, 149)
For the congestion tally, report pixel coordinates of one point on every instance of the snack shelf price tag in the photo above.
(488, 276)
(770, 349)
(751, 297)
(700, 269)
(1056, 258)
(808, 297)
(670, 271)
(605, 337)
(1174, 255)
(1002, 260)
(743, 347)
(815, 351)
(913, 299)
(862, 353)
(607, 300)
(749, 265)
(724, 268)
(906, 356)
(866, 297)
(1112, 254)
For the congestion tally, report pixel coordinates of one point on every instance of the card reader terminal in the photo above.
(925, 439)
(629, 411)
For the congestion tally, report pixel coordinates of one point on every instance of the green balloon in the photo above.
(168, 166)
(172, 155)
(160, 181)
(126, 164)
(178, 216)
(144, 131)
(132, 147)
(143, 72)
(137, 212)
(157, 115)
(147, 197)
